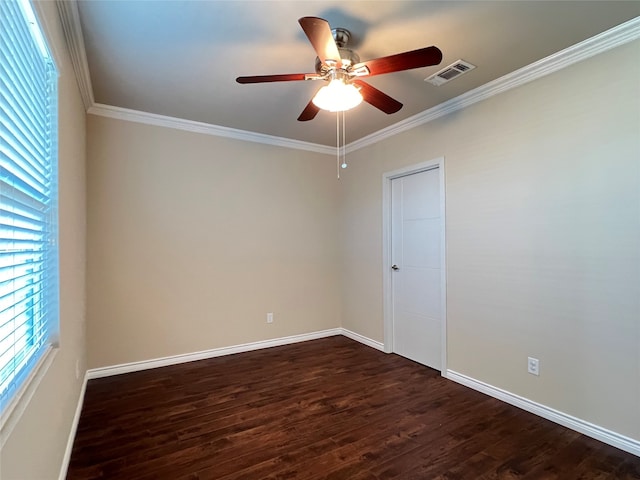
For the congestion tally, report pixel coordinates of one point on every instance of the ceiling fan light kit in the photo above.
(339, 95)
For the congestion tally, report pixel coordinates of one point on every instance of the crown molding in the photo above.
(70, 19)
(205, 128)
(614, 37)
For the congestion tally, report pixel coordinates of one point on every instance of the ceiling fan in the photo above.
(341, 67)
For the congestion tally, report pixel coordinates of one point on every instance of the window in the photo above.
(28, 199)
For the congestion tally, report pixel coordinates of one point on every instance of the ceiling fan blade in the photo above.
(377, 98)
(319, 34)
(288, 77)
(309, 112)
(423, 57)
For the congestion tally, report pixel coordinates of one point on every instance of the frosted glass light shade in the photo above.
(337, 96)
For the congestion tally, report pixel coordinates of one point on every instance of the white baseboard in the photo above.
(607, 436)
(215, 352)
(599, 433)
(190, 357)
(362, 339)
(72, 432)
(219, 352)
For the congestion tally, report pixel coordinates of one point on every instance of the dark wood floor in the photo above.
(324, 409)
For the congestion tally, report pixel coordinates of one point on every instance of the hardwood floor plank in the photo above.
(324, 409)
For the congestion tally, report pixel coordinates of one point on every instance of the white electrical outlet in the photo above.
(533, 366)
(269, 317)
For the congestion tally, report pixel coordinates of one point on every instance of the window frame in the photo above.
(13, 405)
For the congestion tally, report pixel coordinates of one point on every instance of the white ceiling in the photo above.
(181, 58)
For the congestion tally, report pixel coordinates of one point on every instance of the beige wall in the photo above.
(192, 239)
(543, 237)
(35, 447)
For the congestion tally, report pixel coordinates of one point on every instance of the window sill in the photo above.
(11, 414)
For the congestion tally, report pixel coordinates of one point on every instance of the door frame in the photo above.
(387, 297)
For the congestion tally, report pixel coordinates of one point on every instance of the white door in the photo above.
(416, 267)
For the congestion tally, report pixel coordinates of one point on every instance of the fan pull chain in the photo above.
(338, 144)
(344, 143)
(341, 148)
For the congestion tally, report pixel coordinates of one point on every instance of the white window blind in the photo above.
(28, 198)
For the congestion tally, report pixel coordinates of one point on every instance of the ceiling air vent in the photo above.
(449, 73)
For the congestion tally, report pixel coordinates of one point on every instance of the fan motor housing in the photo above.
(348, 56)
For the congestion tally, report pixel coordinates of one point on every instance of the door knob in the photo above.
(395, 267)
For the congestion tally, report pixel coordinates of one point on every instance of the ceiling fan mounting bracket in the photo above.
(341, 36)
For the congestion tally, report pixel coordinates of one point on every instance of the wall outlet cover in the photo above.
(533, 366)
